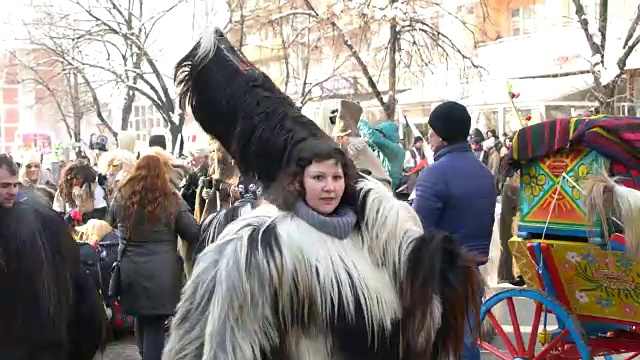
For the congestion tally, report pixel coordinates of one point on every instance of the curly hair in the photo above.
(78, 169)
(289, 188)
(148, 191)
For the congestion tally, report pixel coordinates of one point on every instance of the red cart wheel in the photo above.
(568, 341)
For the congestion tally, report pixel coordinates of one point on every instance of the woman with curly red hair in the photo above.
(150, 215)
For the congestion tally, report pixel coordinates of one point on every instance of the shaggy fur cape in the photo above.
(273, 287)
(49, 308)
(242, 108)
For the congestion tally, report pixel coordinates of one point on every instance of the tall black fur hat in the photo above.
(242, 108)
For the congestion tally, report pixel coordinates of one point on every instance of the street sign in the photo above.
(101, 127)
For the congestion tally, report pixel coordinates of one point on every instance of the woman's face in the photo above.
(115, 167)
(77, 182)
(323, 183)
(33, 170)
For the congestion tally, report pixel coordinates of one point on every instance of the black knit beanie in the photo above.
(159, 141)
(450, 121)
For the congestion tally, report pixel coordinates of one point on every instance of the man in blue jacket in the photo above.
(457, 193)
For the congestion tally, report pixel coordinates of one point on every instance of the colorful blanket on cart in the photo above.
(614, 137)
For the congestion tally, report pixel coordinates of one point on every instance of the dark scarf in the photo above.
(339, 224)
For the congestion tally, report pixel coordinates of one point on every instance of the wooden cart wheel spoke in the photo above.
(516, 325)
(570, 329)
(531, 346)
(502, 334)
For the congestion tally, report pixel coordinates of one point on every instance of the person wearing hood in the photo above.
(385, 139)
(32, 174)
(457, 193)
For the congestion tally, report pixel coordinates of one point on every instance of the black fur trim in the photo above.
(243, 109)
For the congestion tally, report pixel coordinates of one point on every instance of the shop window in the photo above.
(590, 7)
(524, 20)
(561, 111)
(488, 119)
(512, 121)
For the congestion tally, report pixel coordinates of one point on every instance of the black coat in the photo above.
(151, 267)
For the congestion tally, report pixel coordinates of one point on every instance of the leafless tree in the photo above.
(113, 41)
(62, 87)
(288, 38)
(606, 91)
(411, 40)
(301, 50)
(56, 36)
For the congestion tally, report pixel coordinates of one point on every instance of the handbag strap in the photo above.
(121, 248)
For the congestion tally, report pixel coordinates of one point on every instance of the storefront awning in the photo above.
(535, 90)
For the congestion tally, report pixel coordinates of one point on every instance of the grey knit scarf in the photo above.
(339, 224)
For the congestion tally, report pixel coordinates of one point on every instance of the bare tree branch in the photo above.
(605, 93)
(121, 31)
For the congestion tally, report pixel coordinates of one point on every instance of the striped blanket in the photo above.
(614, 137)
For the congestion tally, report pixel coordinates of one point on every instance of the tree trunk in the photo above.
(175, 129)
(127, 107)
(607, 103)
(390, 106)
(78, 113)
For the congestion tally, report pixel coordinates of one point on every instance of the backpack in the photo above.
(90, 263)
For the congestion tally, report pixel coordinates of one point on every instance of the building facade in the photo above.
(538, 47)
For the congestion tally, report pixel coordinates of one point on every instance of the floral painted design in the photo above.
(578, 177)
(604, 302)
(590, 258)
(533, 182)
(573, 257)
(582, 297)
(629, 309)
(623, 261)
(608, 277)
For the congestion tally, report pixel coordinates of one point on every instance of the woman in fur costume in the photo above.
(216, 191)
(32, 174)
(334, 267)
(116, 165)
(49, 308)
(79, 190)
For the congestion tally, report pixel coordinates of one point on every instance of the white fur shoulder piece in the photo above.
(388, 226)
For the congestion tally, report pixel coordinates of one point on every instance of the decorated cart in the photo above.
(578, 243)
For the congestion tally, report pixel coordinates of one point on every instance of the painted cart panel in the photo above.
(595, 282)
(539, 184)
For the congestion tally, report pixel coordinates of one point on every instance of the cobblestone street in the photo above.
(124, 349)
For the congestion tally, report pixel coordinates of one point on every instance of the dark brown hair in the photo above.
(7, 162)
(76, 169)
(289, 188)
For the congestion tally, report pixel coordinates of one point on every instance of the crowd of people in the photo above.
(286, 242)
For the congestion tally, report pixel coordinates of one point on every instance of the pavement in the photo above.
(126, 349)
